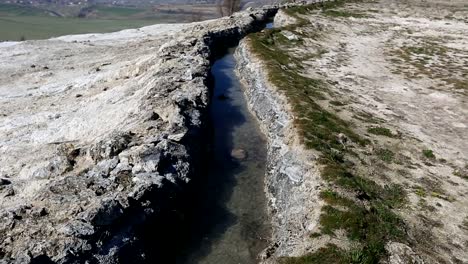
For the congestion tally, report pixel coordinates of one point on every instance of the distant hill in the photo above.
(105, 2)
(44, 19)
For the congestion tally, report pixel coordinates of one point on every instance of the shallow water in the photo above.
(231, 225)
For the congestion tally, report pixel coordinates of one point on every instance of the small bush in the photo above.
(420, 192)
(461, 173)
(337, 103)
(428, 154)
(380, 131)
(385, 155)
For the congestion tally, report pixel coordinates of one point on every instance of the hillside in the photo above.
(376, 94)
(20, 22)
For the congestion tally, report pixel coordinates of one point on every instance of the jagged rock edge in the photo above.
(101, 234)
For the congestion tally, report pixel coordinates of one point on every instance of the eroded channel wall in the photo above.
(292, 179)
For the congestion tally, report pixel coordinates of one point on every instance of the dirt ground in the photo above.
(398, 72)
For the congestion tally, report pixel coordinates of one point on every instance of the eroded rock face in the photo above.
(283, 20)
(292, 179)
(100, 134)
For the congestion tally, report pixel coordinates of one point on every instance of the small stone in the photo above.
(9, 191)
(78, 229)
(152, 116)
(4, 182)
(176, 137)
(342, 138)
(8, 240)
(43, 212)
(239, 154)
(17, 216)
(40, 212)
(289, 35)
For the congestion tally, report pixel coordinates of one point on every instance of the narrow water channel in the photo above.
(231, 224)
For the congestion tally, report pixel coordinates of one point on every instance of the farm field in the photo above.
(32, 27)
(25, 23)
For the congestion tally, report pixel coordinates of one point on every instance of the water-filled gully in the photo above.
(223, 218)
(232, 223)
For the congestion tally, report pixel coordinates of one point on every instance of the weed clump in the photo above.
(461, 173)
(329, 254)
(385, 155)
(428, 154)
(382, 131)
(340, 13)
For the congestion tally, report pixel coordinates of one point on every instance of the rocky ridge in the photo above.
(107, 137)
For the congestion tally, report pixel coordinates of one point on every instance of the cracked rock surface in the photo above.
(97, 131)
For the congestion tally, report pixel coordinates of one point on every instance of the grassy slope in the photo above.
(356, 204)
(35, 27)
(32, 23)
(110, 11)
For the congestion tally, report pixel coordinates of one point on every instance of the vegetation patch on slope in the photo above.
(355, 203)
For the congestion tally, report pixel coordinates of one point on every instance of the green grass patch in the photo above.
(337, 103)
(314, 235)
(17, 22)
(429, 49)
(385, 155)
(18, 10)
(297, 11)
(113, 11)
(366, 117)
(392, 196)
(318, 127)
(382, 131)
(342, 13)
(442, 196)
(372, 227)
(420, 191)
(41, 27)
(329, 254)
(428, 154)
